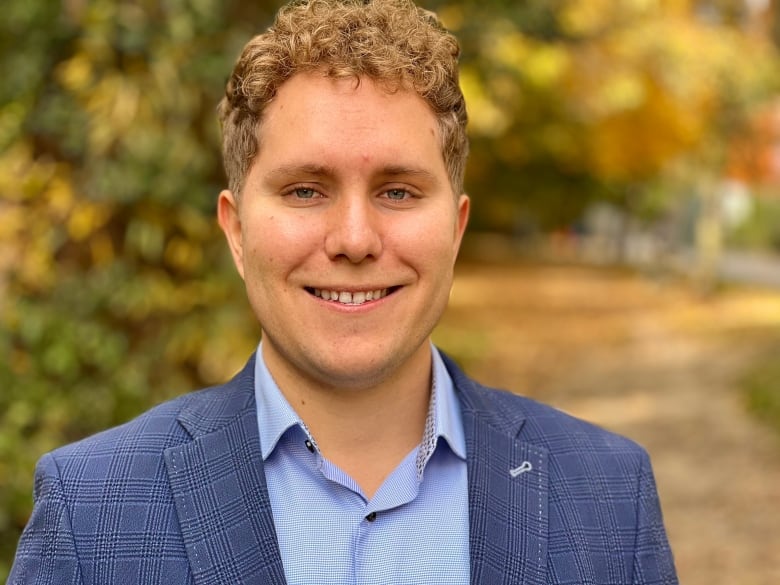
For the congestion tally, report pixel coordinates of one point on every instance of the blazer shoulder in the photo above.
(140, 442)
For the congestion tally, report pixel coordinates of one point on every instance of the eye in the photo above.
(304, 193)
(397, 194)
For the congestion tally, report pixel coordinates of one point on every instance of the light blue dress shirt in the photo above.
(415, 530)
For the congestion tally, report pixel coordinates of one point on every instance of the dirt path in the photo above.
(656, 363)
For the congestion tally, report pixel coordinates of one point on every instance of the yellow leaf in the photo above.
(85, 220)
(75, 74)
(181, 254)
(485, 116)
(60, 197)
(545, 65)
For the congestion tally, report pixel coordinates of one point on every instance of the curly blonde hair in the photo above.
(393, 42)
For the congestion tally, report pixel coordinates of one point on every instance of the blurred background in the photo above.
(622, 262)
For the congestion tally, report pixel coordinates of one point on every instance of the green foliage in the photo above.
(116, 290)
(762, 229)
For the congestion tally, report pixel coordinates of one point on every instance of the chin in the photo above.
(354, 375)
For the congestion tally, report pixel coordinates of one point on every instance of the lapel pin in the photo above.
(526, 466)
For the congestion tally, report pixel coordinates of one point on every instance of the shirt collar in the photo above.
(275, 415)
(447, 417)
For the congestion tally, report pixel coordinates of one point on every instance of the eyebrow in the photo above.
(404, 171)
(315, 170)
(296, 170)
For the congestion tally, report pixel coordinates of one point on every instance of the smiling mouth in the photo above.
(351, 298)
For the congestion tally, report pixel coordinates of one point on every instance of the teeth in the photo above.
(348, 298)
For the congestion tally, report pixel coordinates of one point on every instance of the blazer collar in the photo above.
(508, 488)
(209, 410)
(219, 488)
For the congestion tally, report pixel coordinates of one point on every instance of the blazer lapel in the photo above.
(220, 492)
(508, 491)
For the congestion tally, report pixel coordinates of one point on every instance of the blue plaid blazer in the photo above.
(178, 495)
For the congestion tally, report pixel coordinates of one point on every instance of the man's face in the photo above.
(346, 232)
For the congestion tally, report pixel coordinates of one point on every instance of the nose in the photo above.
(353, 230)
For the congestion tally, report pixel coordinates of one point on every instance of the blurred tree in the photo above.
(577, 100)
(116, 291)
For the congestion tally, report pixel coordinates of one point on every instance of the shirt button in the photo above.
(309, 445)
(371, 517)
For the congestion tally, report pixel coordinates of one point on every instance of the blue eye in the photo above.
(397, 194)
(304, 193)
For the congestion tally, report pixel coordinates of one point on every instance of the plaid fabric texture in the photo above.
(178, 495)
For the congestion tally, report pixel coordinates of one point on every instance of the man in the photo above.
(349, 450)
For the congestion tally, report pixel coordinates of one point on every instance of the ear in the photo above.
(230, 221)
(462, 220)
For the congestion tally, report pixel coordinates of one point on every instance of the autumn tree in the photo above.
(116, 289)
(574, 100)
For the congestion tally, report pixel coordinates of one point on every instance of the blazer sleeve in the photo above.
(653, 561)
(46, 554)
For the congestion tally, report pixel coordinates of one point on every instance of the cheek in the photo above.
(430, 245)
(277, 244)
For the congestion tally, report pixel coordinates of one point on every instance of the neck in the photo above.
(366, 430)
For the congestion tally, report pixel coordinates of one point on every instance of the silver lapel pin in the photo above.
(526, 466)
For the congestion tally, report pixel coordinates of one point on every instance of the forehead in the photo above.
(312, 111)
